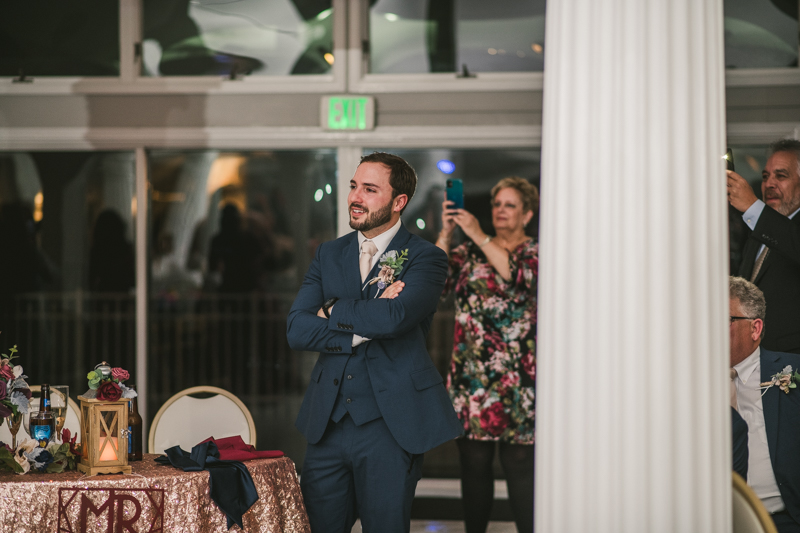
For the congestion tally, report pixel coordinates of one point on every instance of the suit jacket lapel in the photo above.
(749, 258)
(352, 272)
(397, 242)
(770, 400)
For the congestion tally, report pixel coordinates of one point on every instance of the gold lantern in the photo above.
(104, 436)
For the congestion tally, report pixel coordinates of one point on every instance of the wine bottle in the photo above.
(135, 428)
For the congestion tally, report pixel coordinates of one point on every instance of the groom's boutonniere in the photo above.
(391, 264)
(786, 379)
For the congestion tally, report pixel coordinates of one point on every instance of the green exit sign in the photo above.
(348, 113)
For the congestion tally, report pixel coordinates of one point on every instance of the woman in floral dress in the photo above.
(491, 377)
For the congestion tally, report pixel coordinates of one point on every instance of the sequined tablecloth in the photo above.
(71, 502)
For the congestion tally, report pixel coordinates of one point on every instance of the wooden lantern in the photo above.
(104, 436)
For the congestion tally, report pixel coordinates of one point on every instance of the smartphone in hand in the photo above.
(455, 193)
(729, 159)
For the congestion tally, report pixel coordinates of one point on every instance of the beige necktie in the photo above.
(734, 401)
(368, 249)
(759, 262)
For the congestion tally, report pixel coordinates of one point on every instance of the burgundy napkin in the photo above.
(234, 449)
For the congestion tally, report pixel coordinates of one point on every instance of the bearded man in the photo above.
(375, 402)
(771, 257)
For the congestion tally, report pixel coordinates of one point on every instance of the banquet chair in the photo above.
(73, 421)
(749, 514)
(185, 420)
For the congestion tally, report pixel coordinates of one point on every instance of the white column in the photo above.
(633, 425)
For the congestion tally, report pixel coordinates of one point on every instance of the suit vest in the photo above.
(356, 396)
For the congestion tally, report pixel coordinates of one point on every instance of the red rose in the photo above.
(494, 419)
(6, 371)
(119, 374)
(108, 391)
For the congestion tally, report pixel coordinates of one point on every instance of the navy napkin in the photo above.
(231, 486)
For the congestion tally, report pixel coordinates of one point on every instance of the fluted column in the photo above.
(633, 427)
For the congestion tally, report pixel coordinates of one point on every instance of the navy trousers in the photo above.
(359, 472)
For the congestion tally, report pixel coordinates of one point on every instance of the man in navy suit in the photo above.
(375, 402)
(772, 414)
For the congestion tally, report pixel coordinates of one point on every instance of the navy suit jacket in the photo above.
(407, 386)
(782, 421)
(778, 279)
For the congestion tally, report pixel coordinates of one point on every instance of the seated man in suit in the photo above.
(772, 413)
(375, 402)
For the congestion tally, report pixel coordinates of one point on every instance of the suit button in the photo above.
(335, 381)
(349, 376)
(349, 400)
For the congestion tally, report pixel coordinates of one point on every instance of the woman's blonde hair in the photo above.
(527, 191)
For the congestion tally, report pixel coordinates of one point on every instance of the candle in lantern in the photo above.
(109, 452)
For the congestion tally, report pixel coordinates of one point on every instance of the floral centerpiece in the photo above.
(107, 384)
(15, 394)
(29, 456)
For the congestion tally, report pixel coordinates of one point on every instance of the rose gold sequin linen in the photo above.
(30, 503)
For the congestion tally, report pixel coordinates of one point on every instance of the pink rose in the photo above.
(386, 274)
(108, 391)
(494, 419)
(119, 374)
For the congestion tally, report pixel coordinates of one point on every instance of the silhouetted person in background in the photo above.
(112, 263)
(24, 267)
(235, 254)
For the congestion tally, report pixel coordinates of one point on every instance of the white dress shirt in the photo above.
(381, 243)
(759, 467)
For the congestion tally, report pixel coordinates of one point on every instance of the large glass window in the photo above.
(479, 170)
(761, 33)
(418, 36)
(207, 37)
(59, 38)
(67, 278)
(231, 237)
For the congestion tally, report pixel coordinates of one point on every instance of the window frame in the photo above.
(360, 80)
(131, 82)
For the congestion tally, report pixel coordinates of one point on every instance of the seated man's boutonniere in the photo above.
(786, 379)
(391, 264)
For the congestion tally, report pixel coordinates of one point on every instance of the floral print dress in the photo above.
(491, 376)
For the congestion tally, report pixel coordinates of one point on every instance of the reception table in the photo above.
(154, 498)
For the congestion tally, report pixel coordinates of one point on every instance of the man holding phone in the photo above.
(771, 256)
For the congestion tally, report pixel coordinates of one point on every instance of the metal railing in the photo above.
(234, 341)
